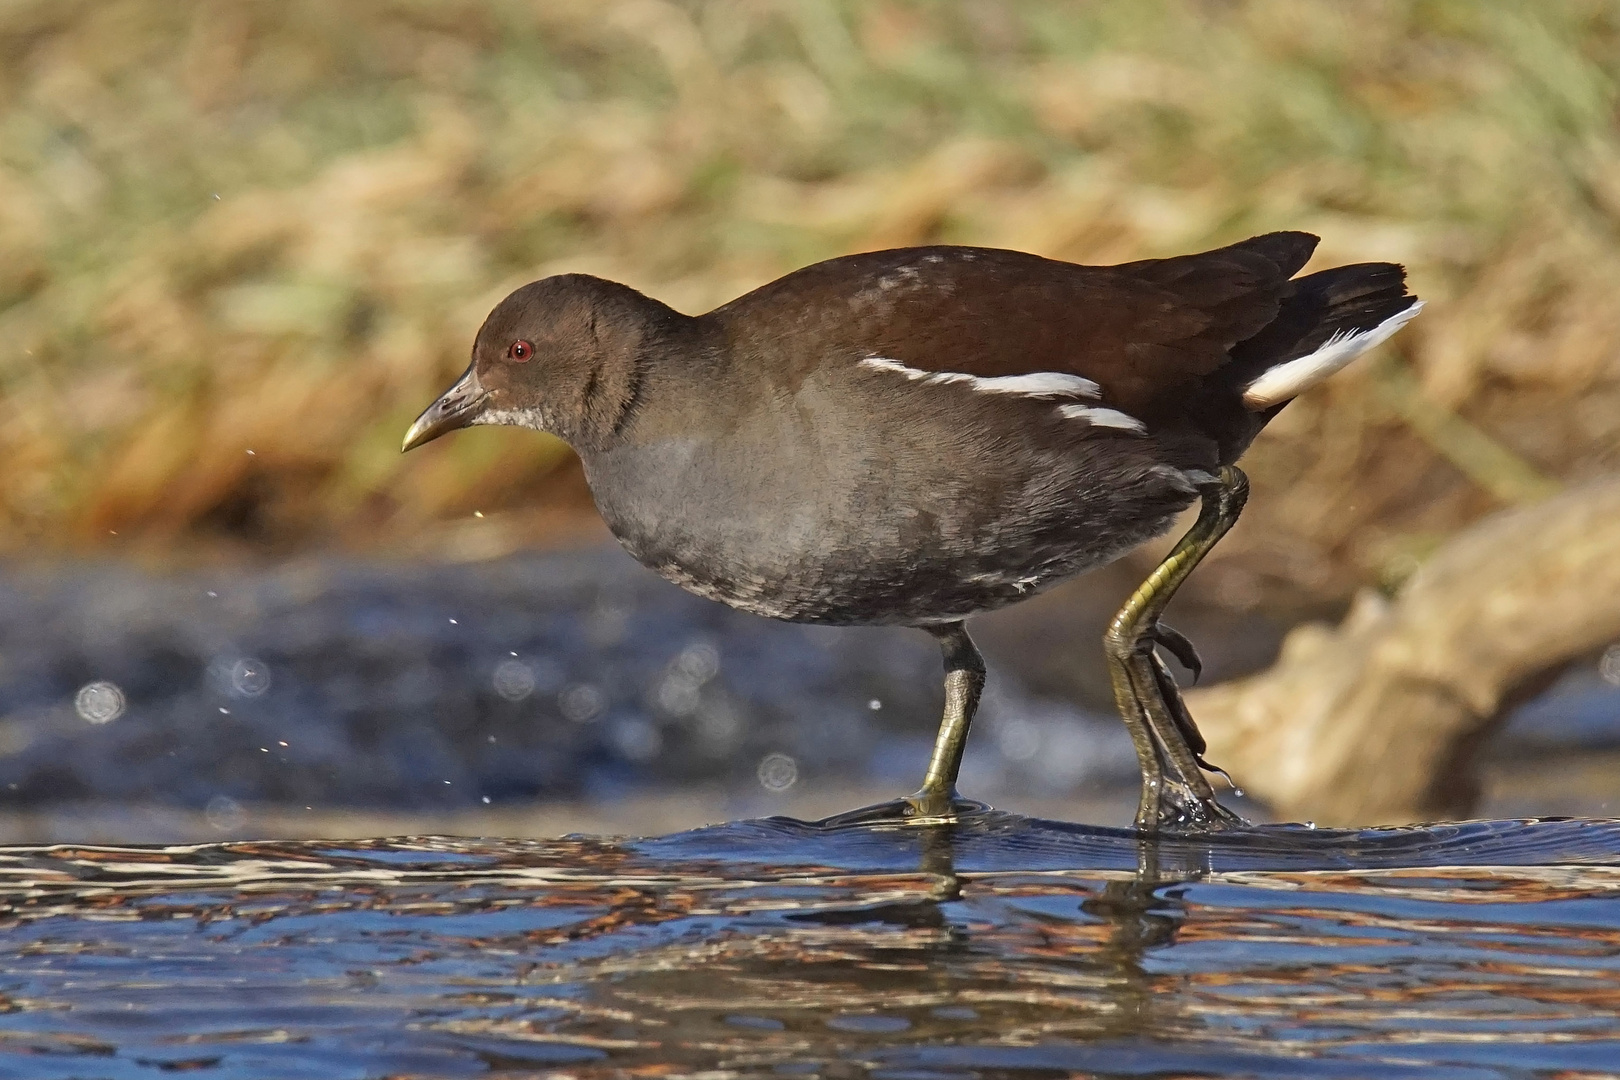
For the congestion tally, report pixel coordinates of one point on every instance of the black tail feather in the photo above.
(1339, 301)
(1288, 251)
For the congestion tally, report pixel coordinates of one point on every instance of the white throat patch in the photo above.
(530, 418)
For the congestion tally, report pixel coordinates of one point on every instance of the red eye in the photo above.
(519, 351)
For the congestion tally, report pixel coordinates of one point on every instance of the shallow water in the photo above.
(441, 694)
(439, 689)
(1001, 946)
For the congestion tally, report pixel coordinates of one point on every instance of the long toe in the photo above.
(1179, 646)
(923, 808)
(893, 812)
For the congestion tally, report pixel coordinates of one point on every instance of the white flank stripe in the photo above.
(1040, 384)
(1289, 380)
(1097, 416)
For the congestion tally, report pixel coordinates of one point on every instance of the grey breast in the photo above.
(858, 498)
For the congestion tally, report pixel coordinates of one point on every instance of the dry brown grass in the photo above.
(386, 170)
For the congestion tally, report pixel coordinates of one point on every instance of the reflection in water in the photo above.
(996, 945)
(1143, 918)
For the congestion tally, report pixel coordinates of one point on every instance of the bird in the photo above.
(918, 435)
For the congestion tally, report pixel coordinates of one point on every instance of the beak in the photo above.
(456, 408)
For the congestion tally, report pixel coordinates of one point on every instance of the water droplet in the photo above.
(212, 593)
(99, 702)
(677, 694)
(607, 623)
(478, 513)
(454, 623)
(281, 742)
(225, 813)
(777, 772)
(513, 680)
(1018, 739)
(250, 677)
(720, 728)
(1609, 665)
(252, 454)
(637, 740)
(874, 704)
(699, 661)
(581, 703)
(486, 800)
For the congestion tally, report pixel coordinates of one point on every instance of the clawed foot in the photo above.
(1175, 792)
(1177, 808)
(1174, 799)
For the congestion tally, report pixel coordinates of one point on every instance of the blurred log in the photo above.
(1379, 720)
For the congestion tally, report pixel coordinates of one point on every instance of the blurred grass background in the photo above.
(243, 243)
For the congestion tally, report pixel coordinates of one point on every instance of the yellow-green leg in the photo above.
(964, 682)
(937, 802)
(1174, 788)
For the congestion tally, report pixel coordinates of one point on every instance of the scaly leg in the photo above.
(1168, 746)
(964, 682)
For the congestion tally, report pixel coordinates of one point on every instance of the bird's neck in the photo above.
(634, 335)
(666, 357)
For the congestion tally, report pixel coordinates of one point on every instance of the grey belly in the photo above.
(808, 550)
(906, 592)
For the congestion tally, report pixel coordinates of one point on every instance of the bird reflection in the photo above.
(1142, 912)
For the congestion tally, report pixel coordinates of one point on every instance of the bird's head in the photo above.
(559, 355)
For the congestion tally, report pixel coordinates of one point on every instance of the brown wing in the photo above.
(1139, 330)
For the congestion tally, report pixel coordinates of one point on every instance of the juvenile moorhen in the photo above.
(919, 435)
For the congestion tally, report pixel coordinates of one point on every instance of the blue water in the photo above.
(1002, 946)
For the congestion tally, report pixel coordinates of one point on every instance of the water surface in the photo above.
(1001, 946)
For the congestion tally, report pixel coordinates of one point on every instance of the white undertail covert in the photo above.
(1288, 380)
